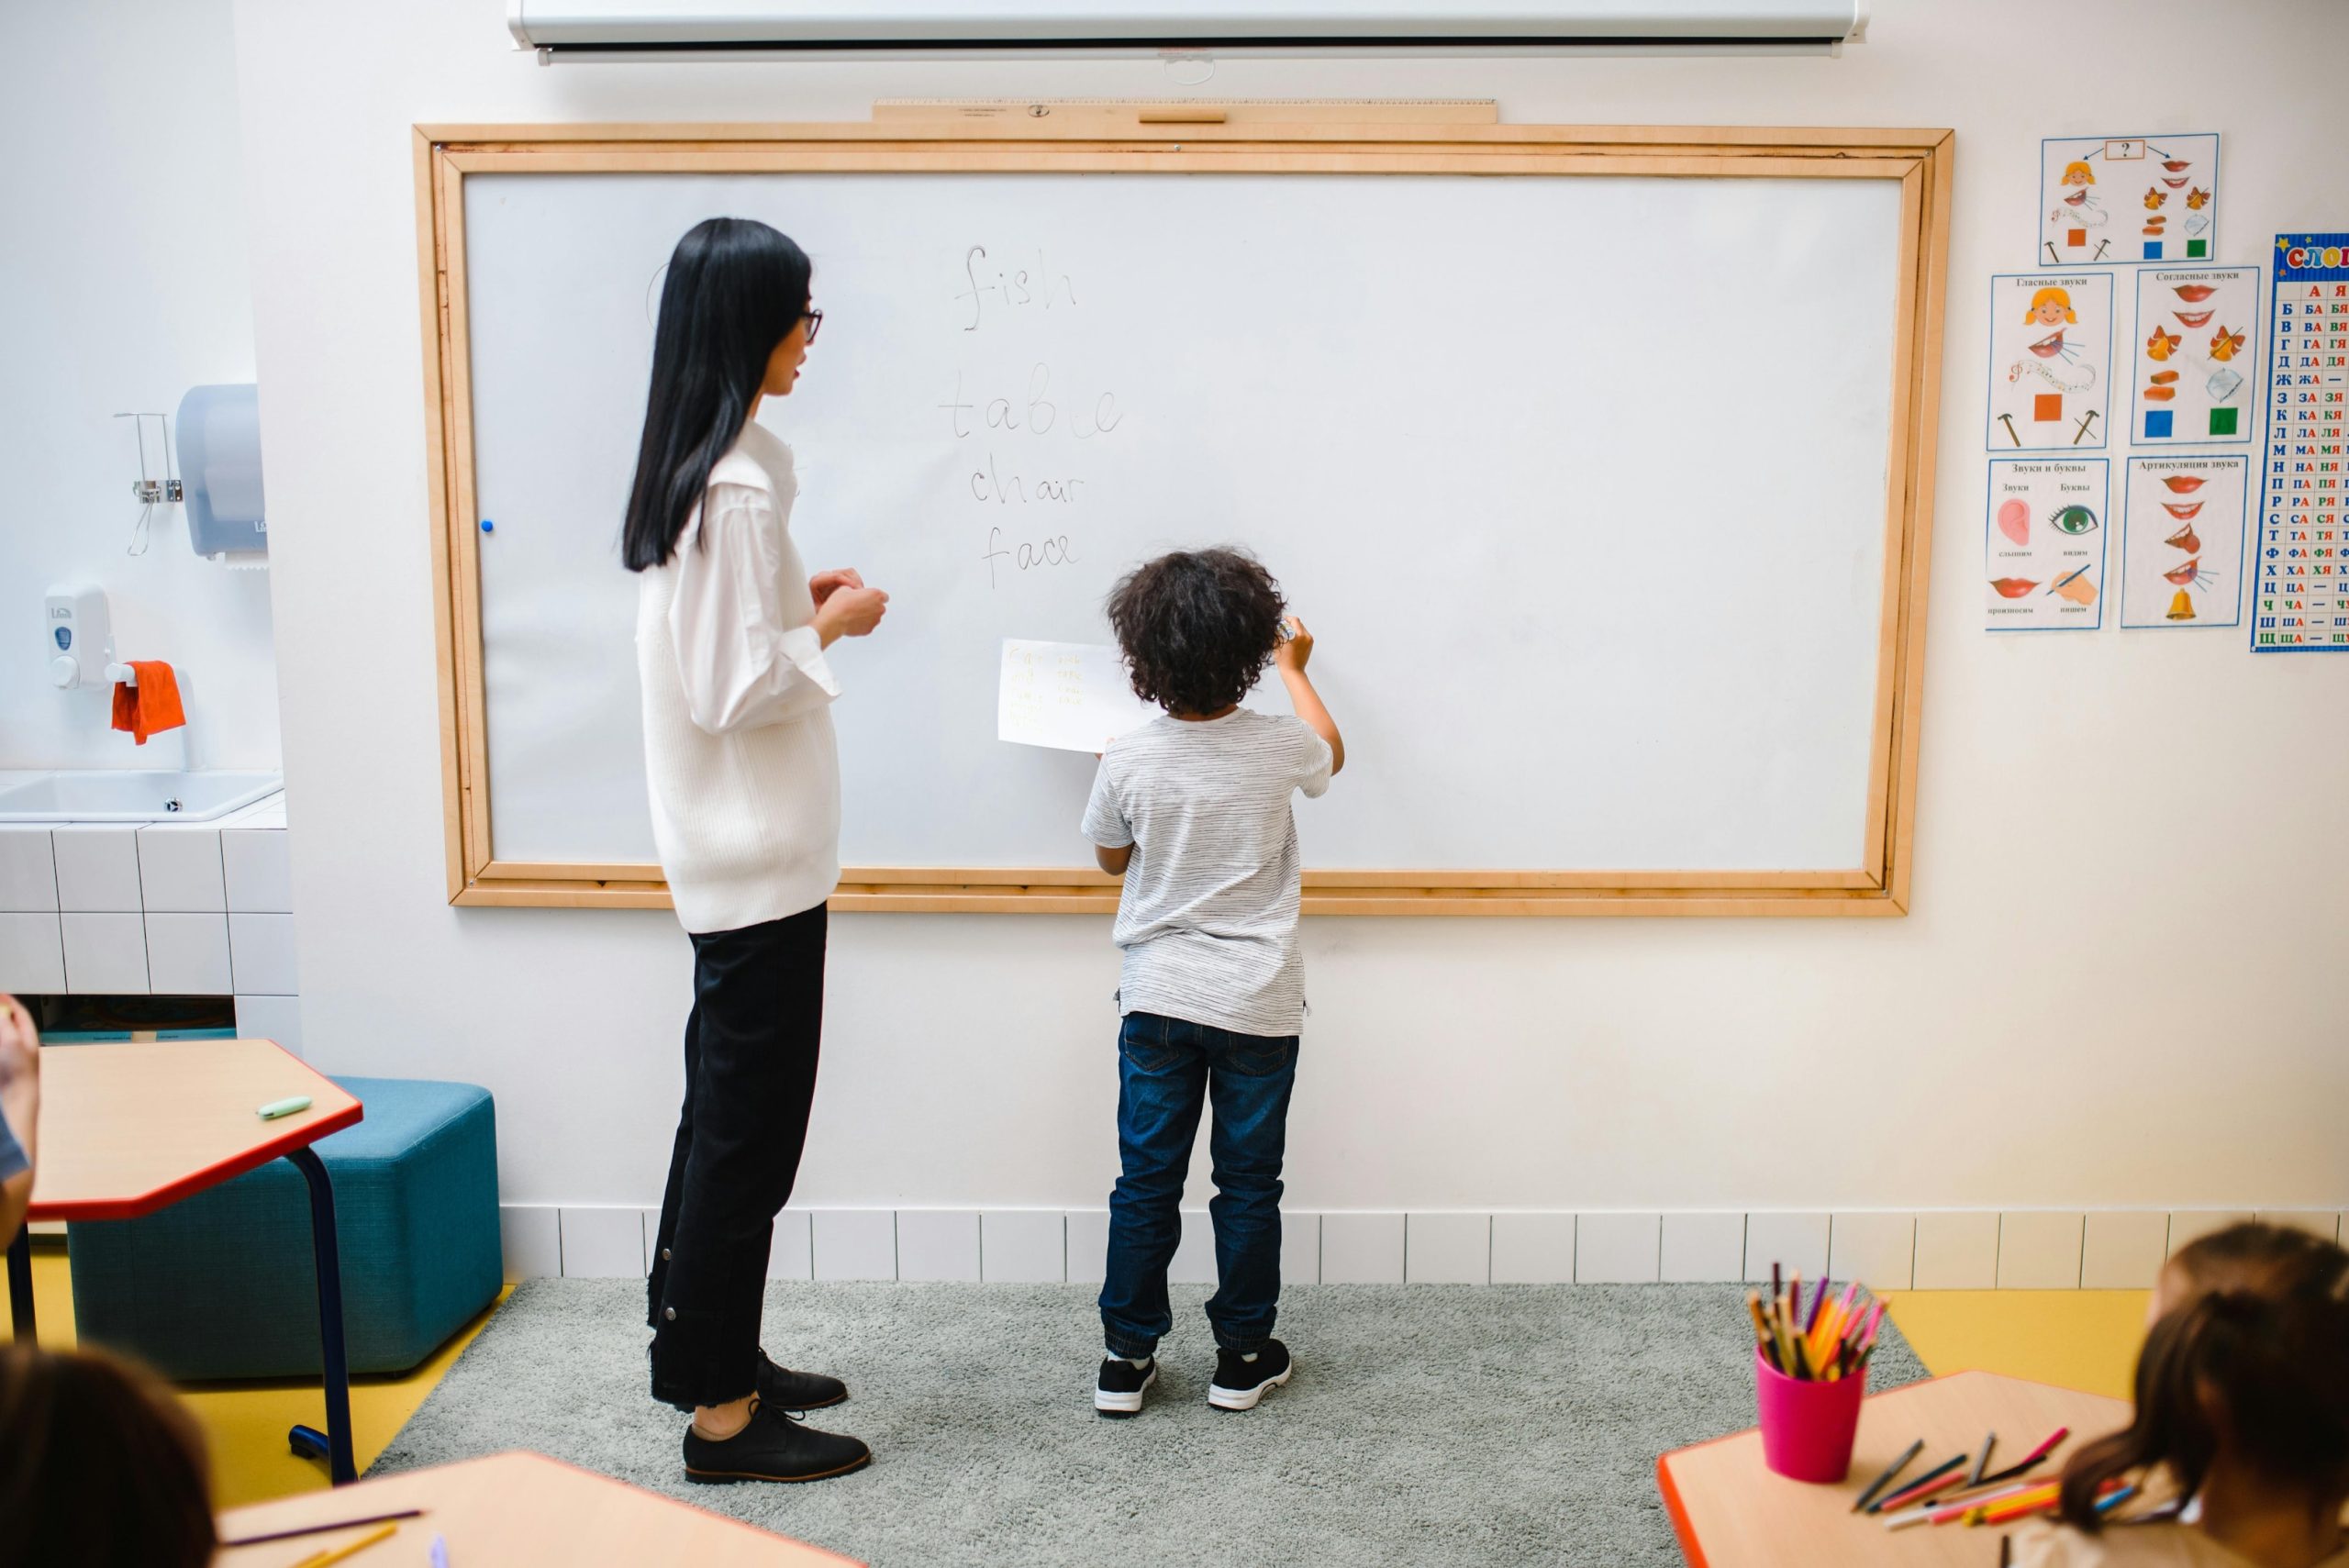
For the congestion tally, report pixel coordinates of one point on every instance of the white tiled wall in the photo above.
(32, 954)
(1957, 1251)
(791, 1255)
(105, 954)
(1877, 1250)
(1361, 1248)
(1790, 1240)
(2101, 1249)
(1702, 1247)
(98, 869)
(1618, 1249)
(187, 955)
(2123, 1250)
(1023, 1246)
(937, 1244)
(1533, 1249)
(27, 870)
(255, 862)
(179, 871)
(1448, 1249)
(198, 909)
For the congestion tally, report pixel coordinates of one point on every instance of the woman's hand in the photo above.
(822, 584)
(849, 611)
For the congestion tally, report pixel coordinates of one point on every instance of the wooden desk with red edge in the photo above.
(129, 1129)
(1728, 1509)
(511, 1510)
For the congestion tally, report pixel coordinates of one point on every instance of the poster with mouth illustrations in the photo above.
(2196, 356)
(2051, 360)
(2044, 550)
(2106, 199)
(2181, 541)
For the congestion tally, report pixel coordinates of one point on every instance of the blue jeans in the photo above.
(1167, 1070)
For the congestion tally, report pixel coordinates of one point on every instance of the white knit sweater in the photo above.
(738, 752)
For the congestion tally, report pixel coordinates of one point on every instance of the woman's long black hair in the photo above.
(735, 289)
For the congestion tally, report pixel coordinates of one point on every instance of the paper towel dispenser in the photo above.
(221, 465)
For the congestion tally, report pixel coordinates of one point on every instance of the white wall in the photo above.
(123, 255)
(2110, 993)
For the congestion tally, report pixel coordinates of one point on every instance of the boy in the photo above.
(1193, 811)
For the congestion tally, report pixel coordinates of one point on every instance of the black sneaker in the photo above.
(787, 1390)
(772, 1446)
(1240, 1384)
(1119, 1390)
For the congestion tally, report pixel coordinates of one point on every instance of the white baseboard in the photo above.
(1884, 1250)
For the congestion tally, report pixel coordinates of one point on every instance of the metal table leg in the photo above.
(340, 1465)
(20, 1287)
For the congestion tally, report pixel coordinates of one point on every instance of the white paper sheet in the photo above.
(1074, 697)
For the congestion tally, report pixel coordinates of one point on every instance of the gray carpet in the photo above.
(1508, 1424)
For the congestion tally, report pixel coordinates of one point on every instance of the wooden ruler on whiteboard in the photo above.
(1129, 114)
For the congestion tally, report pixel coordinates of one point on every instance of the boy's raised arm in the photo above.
(1290, 660)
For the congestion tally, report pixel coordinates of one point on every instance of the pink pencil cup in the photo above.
(1807, 1428)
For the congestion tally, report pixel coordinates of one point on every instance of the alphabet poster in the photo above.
(2181, 541)
(2051, 360)
(2197, 343)
(2302, 598)
(2125, 198)
(2045, 544)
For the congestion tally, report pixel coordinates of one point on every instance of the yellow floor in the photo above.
(2079, 1338)
(247, 1421)
(2076, 1338)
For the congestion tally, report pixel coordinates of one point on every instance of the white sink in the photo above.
(121, 795)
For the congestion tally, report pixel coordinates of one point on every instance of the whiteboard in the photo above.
(1581, 484)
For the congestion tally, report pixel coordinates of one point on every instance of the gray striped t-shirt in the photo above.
(1208, 916)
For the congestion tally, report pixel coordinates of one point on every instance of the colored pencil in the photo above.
(1762, 1336)
(321, 1530)
(1895, 1468)
(1943, 1510)
(1982, 1460)
(2032, 1459)
(349, 1548)
(1894, 1499)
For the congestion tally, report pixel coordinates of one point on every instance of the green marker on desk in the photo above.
(276, 1108)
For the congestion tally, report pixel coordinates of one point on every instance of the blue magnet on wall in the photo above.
(487, 527)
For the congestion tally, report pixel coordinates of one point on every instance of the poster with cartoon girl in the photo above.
(2104, 199)
(2051, 362)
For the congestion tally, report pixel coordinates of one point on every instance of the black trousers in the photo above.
(751, 1047)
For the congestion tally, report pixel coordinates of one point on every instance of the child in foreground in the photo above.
(1193, 811)
(2242, 1398)
(100, 1467)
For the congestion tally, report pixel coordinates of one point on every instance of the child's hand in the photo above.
(1297, 648)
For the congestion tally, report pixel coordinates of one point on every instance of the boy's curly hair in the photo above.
(1196, 627)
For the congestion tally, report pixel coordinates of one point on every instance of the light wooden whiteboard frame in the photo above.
(1919, 159)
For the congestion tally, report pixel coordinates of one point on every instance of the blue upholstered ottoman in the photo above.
(222, 1285)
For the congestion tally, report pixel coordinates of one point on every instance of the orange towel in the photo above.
(152, 706)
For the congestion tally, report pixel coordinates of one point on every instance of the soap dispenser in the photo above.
(81, 642)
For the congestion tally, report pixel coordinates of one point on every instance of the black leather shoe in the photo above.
(787, 1390)
(772, 1446)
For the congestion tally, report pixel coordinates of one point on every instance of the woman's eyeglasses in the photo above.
(814, 320)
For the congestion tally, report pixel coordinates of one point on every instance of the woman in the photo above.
(731, 635)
